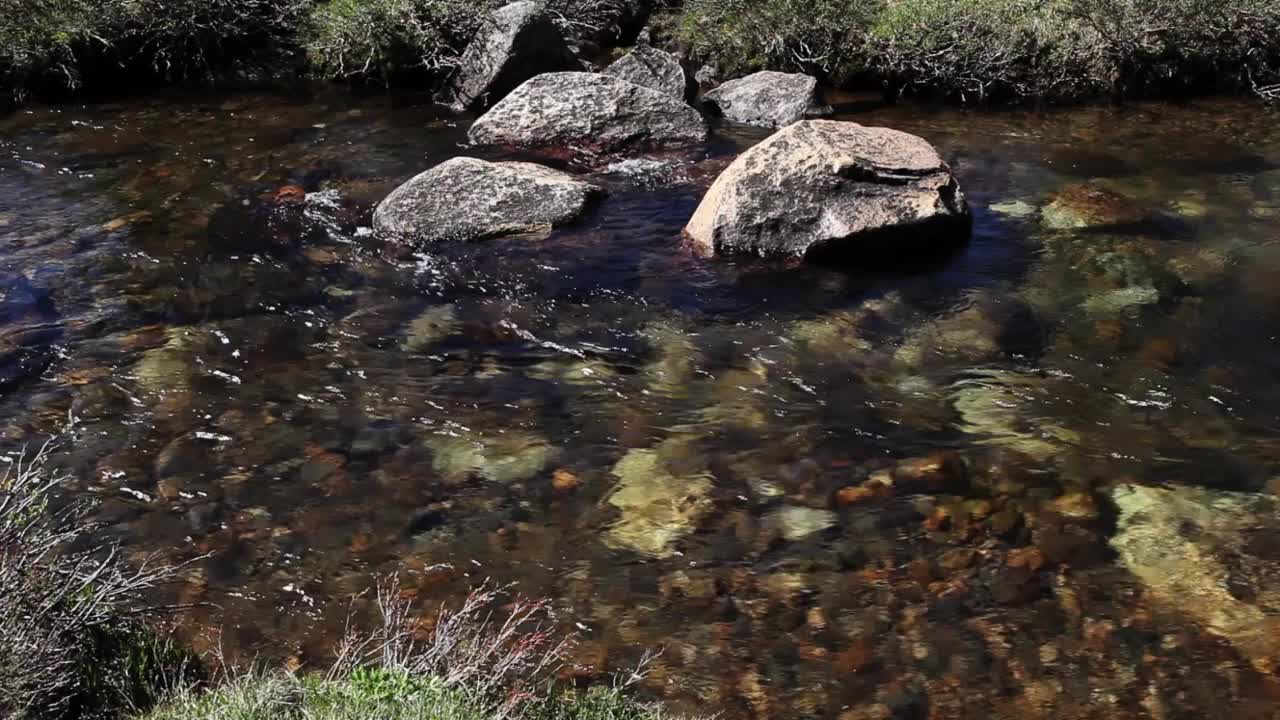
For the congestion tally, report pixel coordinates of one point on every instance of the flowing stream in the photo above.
(1037, 476)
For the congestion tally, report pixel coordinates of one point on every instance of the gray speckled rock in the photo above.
(824, 188)
(517, 42)
(768, 99)
(586, 111)
(469, 199)
(650, 67)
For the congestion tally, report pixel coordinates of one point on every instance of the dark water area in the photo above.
(1032, 477)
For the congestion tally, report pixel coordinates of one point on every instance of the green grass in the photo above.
(984, 49)
(376, 694)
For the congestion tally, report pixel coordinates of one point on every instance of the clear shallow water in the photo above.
(855, 492)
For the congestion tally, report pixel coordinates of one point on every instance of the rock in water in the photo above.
(795, 523)
(768, 99)
(517, 42)
(650, 67)
(589, 112)
(1210, 554)
(29, 327)
(656, 507)
(821, 188)
(469, 199)
(1084, 205)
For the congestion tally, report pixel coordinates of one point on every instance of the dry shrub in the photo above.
(499, 659)
(72, 638)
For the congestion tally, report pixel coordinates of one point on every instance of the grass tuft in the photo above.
(472, 662)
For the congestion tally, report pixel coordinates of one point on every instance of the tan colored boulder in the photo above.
(821, 188)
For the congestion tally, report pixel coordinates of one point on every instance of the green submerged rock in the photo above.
(657, 506)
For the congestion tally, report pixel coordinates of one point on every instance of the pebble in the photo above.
(860, 494)
(563, 481)
(1028, 557)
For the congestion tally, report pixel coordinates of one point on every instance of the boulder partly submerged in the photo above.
(588, 112)
(824, 189)
(469, 199)
(767, 99)
(655, 69)
(516, 42)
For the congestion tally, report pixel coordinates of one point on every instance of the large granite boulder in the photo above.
(655, 69)
(822, 188)
(585, 111)
(469, 199)
(768, 99)
(517, 42)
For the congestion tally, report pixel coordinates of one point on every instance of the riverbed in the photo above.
(1035, 476)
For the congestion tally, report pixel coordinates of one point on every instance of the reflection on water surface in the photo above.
(1035, 478)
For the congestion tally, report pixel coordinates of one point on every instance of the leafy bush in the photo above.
(974, 51)
(824, 36)
(71, 641)
(48, 45)
(983, 49)
(37, 39)
(384, 38)
(202, 39)
(1159, 46)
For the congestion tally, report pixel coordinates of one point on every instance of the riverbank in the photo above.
(988, 50)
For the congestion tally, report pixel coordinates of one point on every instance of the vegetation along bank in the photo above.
(970, 50)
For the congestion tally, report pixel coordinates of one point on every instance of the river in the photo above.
(1031, 477)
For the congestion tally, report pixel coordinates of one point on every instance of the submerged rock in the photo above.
(1091, 206)
(794, 522)
(1001, 407)
(1210, 554)
(650, 67)
(276, 223)
(989, 326)
(657, 506)
(821, 188)
(768, 99)
(167, 368)
(469, 199)
(517, 42)
(29, 326)
(507, 458)
(583, 111)
(677, 358)
(646, 172)
(435, 324)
